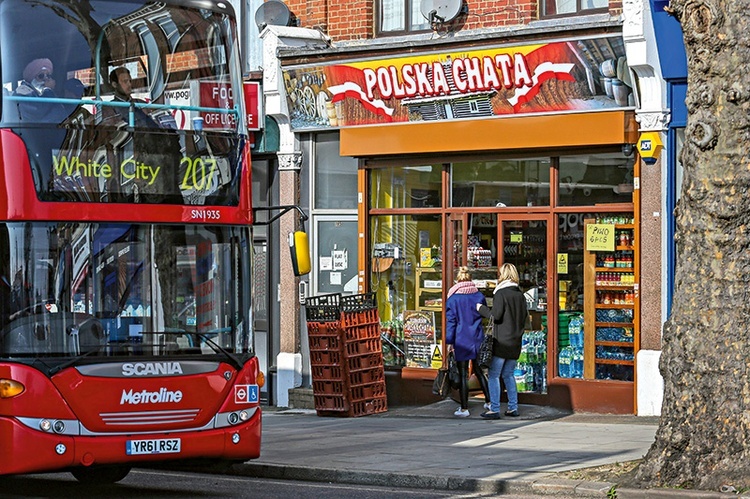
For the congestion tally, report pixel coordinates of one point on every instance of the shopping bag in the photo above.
(441, 387)
(485, 351)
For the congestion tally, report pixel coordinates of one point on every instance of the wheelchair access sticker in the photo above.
(246, 394)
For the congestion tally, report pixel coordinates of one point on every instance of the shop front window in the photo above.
(508, 182)
(597, 296)
(406, 187)
(588, 179)
(407, 276)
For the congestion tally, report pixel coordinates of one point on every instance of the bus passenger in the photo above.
(74, 89)
(38, 82)
(121, 81)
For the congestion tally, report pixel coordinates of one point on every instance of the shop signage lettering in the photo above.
(469, 75)
(600, 237)
(217, 95)
(253, 105)
(480, 82)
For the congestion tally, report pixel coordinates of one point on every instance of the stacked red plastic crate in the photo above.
(346, 355)
(327, 367)
(363, 351)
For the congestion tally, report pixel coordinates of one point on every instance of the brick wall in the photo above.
(346, 20)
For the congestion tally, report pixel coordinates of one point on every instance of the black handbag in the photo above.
(441, 386)
(454, 375)
(485, 351)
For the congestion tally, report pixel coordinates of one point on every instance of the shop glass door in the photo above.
(490, 240)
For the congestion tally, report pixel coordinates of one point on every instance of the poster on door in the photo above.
(336, 240)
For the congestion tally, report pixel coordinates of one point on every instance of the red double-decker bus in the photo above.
(125, 238)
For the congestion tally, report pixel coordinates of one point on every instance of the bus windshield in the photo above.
(70, 289)
(124, 101)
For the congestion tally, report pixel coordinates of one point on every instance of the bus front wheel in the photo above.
(101, 474)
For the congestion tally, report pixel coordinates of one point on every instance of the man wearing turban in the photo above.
(38, 82)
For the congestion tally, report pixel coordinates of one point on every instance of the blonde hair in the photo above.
(508, 272)
(463, 274)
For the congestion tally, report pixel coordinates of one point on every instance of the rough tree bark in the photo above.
(703, 439)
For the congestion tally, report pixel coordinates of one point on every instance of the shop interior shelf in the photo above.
(613, 324)
(615, 362)
(626, 344)
(615, 269)
(436, 308)
(612, 306)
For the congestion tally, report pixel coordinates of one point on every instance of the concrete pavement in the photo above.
(427, 447)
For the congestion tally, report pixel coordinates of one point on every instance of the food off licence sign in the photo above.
(220, 95)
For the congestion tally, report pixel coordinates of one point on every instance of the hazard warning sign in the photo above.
(437, 357)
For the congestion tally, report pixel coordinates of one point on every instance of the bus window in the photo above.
(184, 148)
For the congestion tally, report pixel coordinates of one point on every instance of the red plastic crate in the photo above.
(330, 357)
(327, 372)
(367, 391)
(367, 407)
(325, 328)
(365, 361)
(366, 376)
(359, 318)
(325, 342)
(364, 332)
(331, 403)
(361, 347)
(329, 387)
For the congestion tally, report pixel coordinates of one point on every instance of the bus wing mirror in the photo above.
(300, 250)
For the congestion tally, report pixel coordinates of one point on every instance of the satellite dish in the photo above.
(440, 11)
(273, 12)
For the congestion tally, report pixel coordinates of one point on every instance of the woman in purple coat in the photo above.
(464, 332)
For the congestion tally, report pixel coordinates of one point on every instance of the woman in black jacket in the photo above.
(509, 316)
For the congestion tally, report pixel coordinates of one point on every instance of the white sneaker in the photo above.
(487, 406)
(461, 413)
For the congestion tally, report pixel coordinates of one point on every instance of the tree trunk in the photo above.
(703, 439)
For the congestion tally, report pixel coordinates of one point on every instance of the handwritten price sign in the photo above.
(600, 237)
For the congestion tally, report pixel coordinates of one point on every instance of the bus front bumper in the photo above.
(36, 451)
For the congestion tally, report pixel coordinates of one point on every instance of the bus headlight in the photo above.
(10, 388)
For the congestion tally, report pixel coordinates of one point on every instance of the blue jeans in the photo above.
(502, 368)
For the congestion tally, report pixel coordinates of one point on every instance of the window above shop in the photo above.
(589, 179)
(498, 183)
(399, 17)
(572, 7)
(417, 186)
